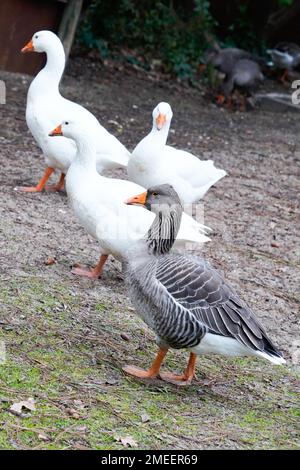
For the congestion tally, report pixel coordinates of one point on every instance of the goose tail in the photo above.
(192, 224)
(215, 177)
(112, 162)
(192, 231)
(270, 352)
(274, 358)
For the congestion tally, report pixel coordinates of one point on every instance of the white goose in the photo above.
(98, 202)
(153, 162)
(46, 107)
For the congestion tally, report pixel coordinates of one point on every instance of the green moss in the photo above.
(69, 359)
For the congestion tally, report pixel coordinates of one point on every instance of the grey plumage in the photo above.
(183, 298)
(225, 59)
(244, 76)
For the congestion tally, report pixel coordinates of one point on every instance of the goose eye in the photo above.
(154, 194)
(66, 123)
(36, 36)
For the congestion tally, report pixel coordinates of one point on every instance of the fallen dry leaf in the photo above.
(43, 437)
(79, 404)
(79, 446)
(83, 429)
(111, 381)
(125, 337)
(73, 413)
(17, 408)
(50, 261)
(127, 441)
(145, 418)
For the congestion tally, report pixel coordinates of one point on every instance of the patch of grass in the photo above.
(64, 355)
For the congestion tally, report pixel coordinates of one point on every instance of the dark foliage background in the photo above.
(171, 35)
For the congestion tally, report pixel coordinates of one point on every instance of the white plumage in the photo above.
(153, 162)
(46, 107)
(99, 202)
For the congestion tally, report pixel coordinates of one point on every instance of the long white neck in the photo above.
(149, 150)
(161, 135)
(47, 80)
(86, 153)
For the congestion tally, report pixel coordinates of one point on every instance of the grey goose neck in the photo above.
(164, 229)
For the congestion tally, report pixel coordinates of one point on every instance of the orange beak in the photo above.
(160, 121)
(29, 47)
(138, 200)
(56, 131)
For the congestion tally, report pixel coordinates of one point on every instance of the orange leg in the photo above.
(58, 186)
(229, 102)
(150, 373)
(41, 184)
(94, 273)
(242, 102)
(184, 379)
(284, 77)
(220, 99)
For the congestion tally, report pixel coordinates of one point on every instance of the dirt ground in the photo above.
(66, 338)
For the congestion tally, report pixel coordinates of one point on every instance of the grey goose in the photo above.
(240, 68)
(225, 59)
(184, 300)
(244, 78)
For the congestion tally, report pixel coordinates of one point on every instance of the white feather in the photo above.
(217, 344)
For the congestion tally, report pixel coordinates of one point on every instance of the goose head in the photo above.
(42, 41)
(162, 115)
(77, 129)
(158, 199)
(165, 203)
(213, 56)
(68, 128)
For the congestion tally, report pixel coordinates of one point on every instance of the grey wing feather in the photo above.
(200, 289)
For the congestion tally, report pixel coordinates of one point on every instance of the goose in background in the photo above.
(224, 59)
(98, 202)
(244, 78)
(185, 301)
(46, 107)
(286, 56)
(153, 162)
